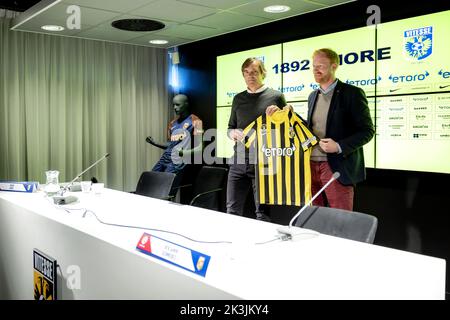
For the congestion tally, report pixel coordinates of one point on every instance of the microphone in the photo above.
(61, 199)
(288, 232)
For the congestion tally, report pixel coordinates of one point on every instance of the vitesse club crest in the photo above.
(44, 276)
(418, 43)
(200, 263)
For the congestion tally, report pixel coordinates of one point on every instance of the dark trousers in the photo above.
(165, 164)
(240, 177)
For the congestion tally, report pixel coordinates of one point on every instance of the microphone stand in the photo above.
(60, 198)
(290, 231)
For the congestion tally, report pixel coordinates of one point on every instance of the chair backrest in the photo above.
(207, 188)
(339, 223)
(155, 184)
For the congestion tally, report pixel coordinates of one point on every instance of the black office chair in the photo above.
(155, 184)
(207, 187)
(339, 223)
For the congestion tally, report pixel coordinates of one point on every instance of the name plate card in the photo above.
(174, 254)
(19, 186)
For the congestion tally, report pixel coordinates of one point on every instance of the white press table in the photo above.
(110, 267)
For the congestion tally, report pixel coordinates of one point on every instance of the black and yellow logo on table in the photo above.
(44, 276)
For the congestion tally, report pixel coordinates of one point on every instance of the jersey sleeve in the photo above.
(298, 118)
(306, 137)
(249, 134)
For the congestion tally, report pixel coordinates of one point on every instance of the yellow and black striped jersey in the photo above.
(282, 144)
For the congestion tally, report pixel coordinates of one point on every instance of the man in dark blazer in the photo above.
(339, 115)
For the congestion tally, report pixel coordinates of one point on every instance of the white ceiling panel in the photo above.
(173, 10)
(144, 40)
(87, 15)
(113, 5)
(219, 4)
(229, 21)
(297, 6)
(328, 2)
(101, 33)
(185, 20)
(35, 26)
(187, 31)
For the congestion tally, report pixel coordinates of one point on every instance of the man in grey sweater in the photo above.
(247, 106)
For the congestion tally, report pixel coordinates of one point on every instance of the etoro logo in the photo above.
(279, 152)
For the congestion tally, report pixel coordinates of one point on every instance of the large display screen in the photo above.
(404, 68)
(413, 99)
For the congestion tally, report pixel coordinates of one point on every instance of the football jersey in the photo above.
(180, 133)
(282, 144)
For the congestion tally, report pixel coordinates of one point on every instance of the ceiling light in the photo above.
(159, 41)
(52, 28)
(276, 9)
(138, 24)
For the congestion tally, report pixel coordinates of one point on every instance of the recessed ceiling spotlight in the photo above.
(159, 41)
(138, 24)
(276, 9)
(52, 28)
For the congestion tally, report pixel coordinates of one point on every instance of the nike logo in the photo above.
(393, 90)
(442, 87)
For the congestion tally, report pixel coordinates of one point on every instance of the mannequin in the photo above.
(180, 136)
